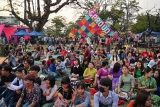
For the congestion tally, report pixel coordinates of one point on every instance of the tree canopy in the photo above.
(36, 12)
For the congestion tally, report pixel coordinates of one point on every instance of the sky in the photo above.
(71, 14)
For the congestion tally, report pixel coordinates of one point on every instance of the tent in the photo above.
(21, 33)
(8, 31)
(35, 33)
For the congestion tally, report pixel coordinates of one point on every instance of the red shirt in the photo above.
(145, 54)
(48, 63)
(64, 52)
(87, 53)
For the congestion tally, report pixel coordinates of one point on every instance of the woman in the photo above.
(129, 57)
(143, 99)
(148, 83)
(76, 72)
(138, 72)
(157, 78)
(114, 59)
(89, 74)
(82, 97)
(49, 92)
(115, 74)
(102, 73)
(126, 82)
(97, 62)
(46, 54)
(105, 97)
(66, 92)
(31, 93)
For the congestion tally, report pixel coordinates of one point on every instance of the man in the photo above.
(153, 63)
(6, 78)
(27, 65)
(34, 71)
(29, 56)
(105, 97)
(87, 53)
(11, 59)
(51, 48)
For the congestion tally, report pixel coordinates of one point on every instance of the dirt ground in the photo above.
(2, 59)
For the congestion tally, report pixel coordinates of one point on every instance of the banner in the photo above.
(101, 24)
(91, 25)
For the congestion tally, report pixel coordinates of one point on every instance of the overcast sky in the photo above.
(70, 13)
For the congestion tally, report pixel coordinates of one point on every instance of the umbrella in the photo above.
(35, 33)
(21, 33)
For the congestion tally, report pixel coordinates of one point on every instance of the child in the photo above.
(83, 97)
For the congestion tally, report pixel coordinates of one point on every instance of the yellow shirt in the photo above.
(92, 72)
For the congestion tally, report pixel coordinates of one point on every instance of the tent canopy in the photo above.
(21, 33)
(35, 33)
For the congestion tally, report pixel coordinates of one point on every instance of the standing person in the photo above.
(31, 93)
(105, 97)
(87, 53)
(108, 43)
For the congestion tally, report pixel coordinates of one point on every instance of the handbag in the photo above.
(124, 96)
(59, 103)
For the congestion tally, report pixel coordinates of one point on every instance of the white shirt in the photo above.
(152, 63)
(14, 87)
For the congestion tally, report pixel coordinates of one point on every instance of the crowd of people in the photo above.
(111, 73)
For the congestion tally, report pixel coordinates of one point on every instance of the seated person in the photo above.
(11, 59)
(66, 92)
(105, 97)
(49, 92)
(16, 85)
(143, 99)
(31, 93)
(157, 78)
(34, 71)
(82, 97)
(61, 68)
(44, 67)
(89, 74)
(52, 68)
(6, 78)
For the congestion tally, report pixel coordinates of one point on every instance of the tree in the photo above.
(143, 24)
(58, 24)
(69, 28)
(34, 12)
(130, 9)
